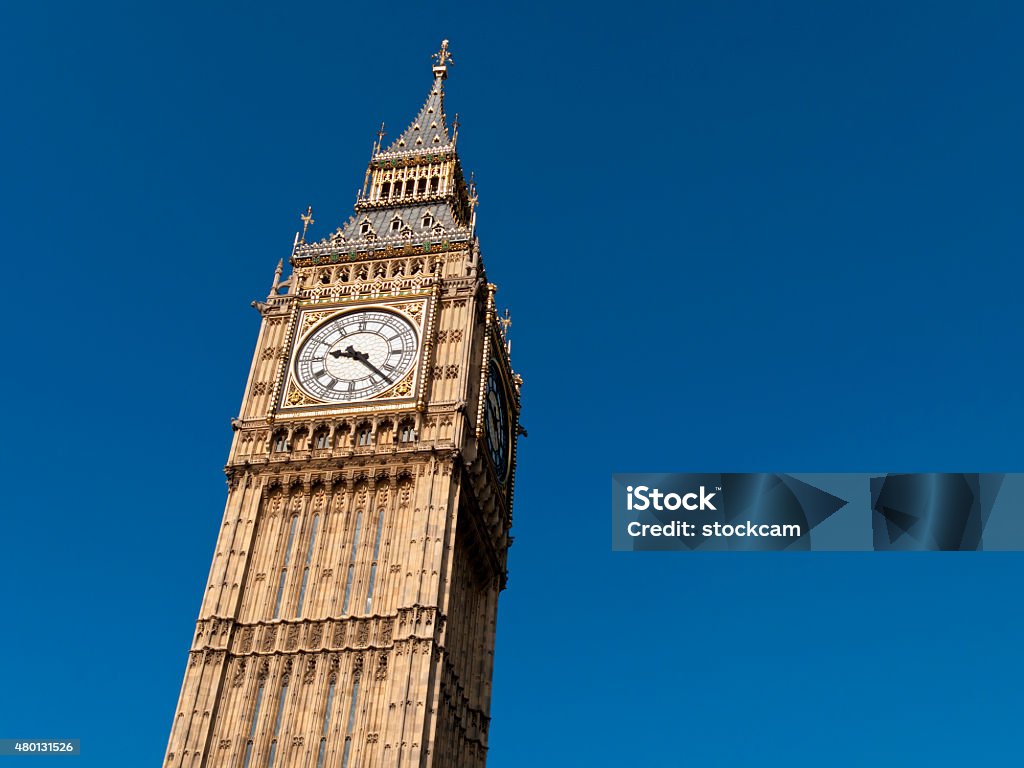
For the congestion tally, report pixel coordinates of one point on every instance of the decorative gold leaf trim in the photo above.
(401, 389)
(412, 309)
(312, 318)
(296, 397)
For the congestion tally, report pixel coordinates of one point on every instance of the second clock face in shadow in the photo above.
(497, 421)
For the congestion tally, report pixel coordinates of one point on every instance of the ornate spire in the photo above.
(428, 131)
(414, 190)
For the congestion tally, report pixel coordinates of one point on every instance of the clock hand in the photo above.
(365, 360)
(349, 352)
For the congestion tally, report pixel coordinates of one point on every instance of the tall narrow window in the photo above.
(421, 187)
(407, 433)
(373, 563)
(434, 182)
(281, 442)
(351, 564)
(351, 723)
(305, 570)
(277, 723)
(363, 438)
(252, 729)
(176, 731)
(321, 439)
(284, 569)
(385, 189)
(327, 722)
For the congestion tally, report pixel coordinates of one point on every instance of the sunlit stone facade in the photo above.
(349, 617)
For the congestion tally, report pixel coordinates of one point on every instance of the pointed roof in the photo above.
(437, 213)
(428, 131)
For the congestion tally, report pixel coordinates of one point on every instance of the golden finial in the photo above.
(505, 321)
(307, 219)
(473, 198)
(380, 138)
(455, 126)
(443, 56)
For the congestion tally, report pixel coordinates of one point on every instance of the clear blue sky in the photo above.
(733, 237)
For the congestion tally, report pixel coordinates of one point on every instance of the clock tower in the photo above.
(349, 617)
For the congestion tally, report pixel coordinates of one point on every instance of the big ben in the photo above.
(350, 613)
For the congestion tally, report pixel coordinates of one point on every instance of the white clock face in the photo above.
(356, 355)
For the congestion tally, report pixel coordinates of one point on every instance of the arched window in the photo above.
(352, 563)
(364, 436)
(341, 435)
(373, 562)
(321, 439)
(434, 183)
(396, 224)
(327, 724)
(421, 187)
(407, 431)
(410, 186)
(351, 723)
(277, 722)
(252, 728)
(428, 220)
(284, 568)
(309, 562)
(280, 441)
(385, 189)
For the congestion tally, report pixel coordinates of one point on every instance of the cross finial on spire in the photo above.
(380, 139)
(505, 321)
(307, 219)
(442, 57)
